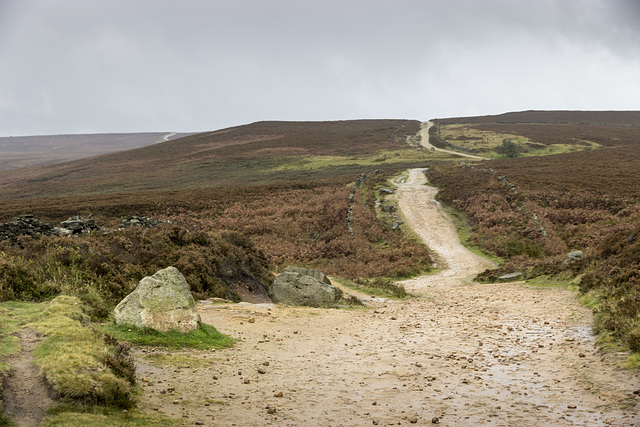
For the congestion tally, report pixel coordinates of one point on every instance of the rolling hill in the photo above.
(259, 153)
(24, 151)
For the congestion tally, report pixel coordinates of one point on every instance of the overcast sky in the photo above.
(87, 66)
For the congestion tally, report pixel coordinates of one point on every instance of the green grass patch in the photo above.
(379, 158)
(380, 287)
(13, 315)
(633, 362)
(464, 229)
(546, 281)
(78, 360)
(485, 142)
(71, 416)
(179, 360)
(203, 338)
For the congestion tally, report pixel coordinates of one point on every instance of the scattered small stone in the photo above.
(265, 363)
(278, 394)
(435, 420)
(374, 403)
(637, 392)
(247, 381)
(262, 371)
(252, 320)
(375, 423)
(271, 411)
(413, 420)
(571, 406)
(581, 355)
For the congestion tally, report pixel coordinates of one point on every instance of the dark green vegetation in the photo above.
(532, 211)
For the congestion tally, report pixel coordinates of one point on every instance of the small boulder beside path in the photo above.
(162, 302)
(304, 286)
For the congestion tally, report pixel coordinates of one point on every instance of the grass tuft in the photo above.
(205, 337)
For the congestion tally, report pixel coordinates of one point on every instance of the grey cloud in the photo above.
(154, 65)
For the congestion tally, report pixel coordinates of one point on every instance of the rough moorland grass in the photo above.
(73, 356)
(484, 141)
(205, 337)
(464, 228)
(70, 416)
(381, 287)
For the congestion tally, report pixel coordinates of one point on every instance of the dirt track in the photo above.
(459, 354)
(424, 141)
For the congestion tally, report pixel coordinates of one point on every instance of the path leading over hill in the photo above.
(424, 141)
(461, 354)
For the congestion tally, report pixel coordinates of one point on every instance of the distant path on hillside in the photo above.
(167, 136)
(424, 141)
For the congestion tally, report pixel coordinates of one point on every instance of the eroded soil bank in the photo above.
(27, 396)
(459, 354)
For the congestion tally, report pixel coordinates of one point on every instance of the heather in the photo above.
(532, 212)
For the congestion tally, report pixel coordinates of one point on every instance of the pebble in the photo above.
(413, 420)
(435, 420)
(278, 394)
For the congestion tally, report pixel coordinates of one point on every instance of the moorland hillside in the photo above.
(24, 151)
(533, 211)
(241, 201)
(255, 154)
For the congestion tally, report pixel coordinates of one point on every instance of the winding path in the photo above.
(461, 354)
(424, 141)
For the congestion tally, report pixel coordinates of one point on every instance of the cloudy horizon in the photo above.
(79, 66)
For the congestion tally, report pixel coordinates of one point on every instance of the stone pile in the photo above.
(141, 221)
(23, 225)
(27, 225)
(76, 225)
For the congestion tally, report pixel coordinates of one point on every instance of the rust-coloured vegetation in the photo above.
(244, 201)
(254, 154)
(533, 211)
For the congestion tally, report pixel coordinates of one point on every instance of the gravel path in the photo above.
(459, 354)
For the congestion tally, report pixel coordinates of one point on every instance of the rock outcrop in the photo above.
(141, 221)
(572, 257)
(162, 302)
(27, 225)
(304, 286)
(511, 277)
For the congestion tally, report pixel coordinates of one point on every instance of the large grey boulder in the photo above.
(304, 286)
(162, 302)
